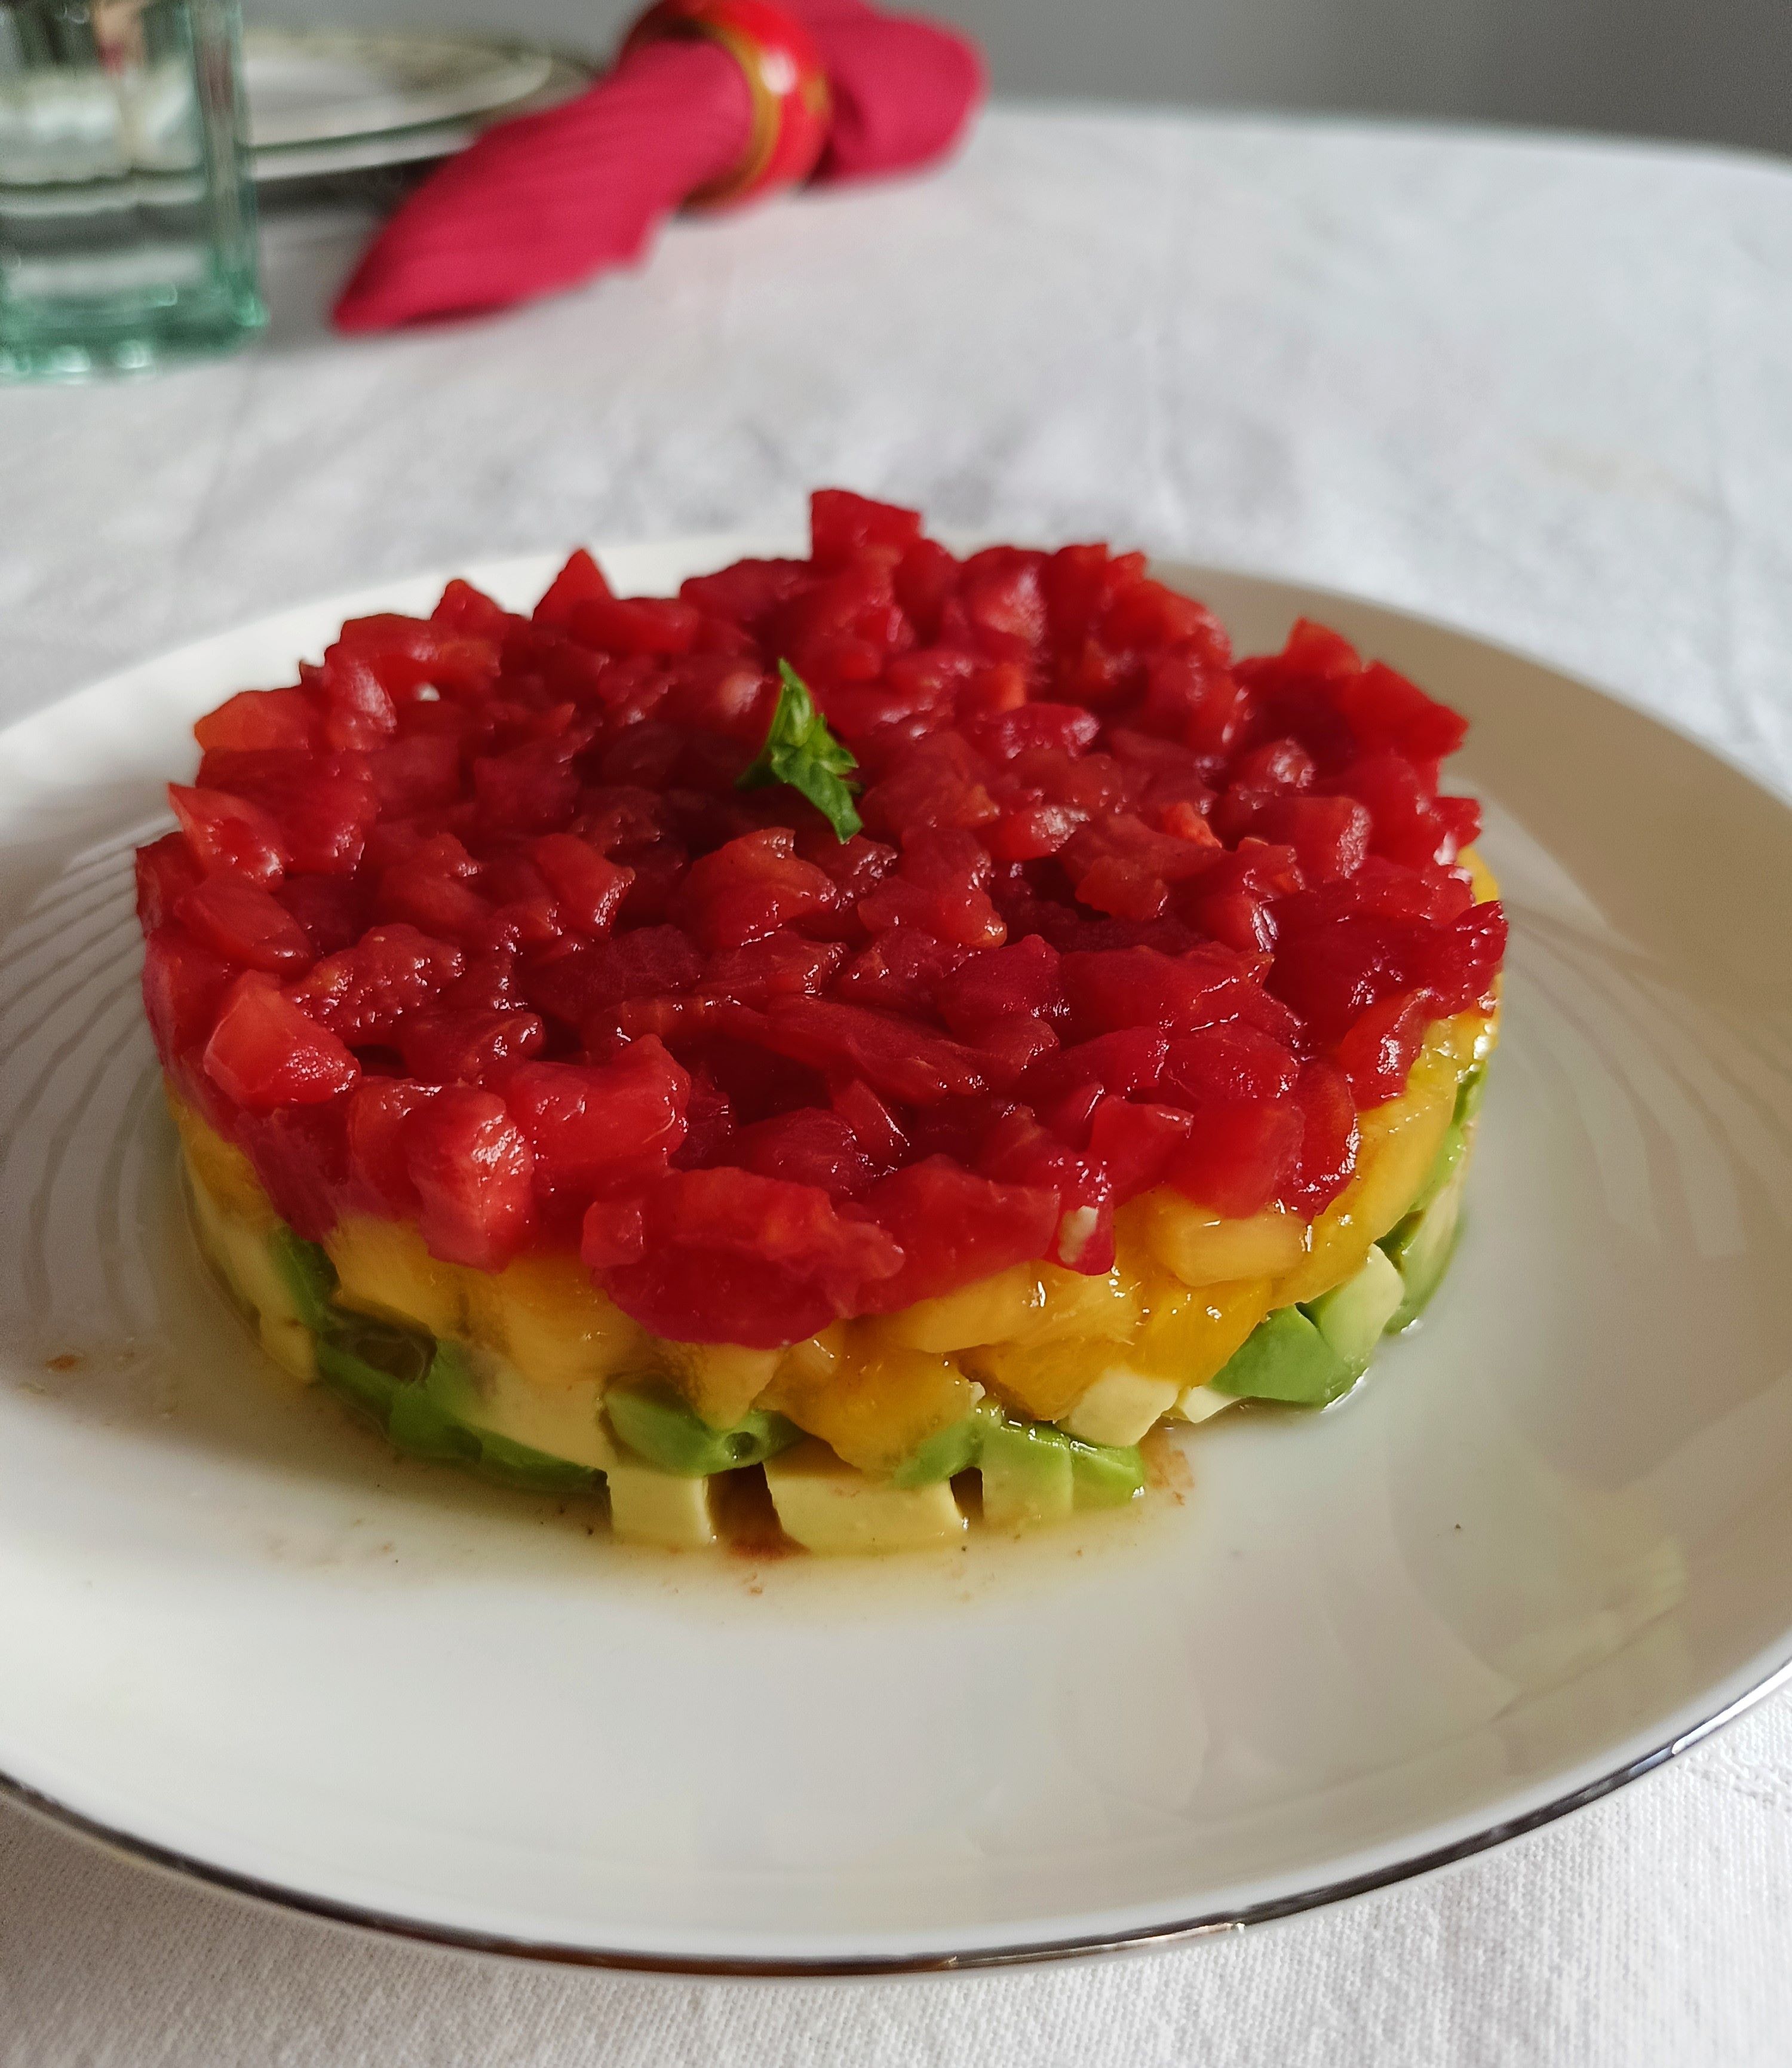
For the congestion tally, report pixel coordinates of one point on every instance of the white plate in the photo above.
(323, 102)
(1550, 1542)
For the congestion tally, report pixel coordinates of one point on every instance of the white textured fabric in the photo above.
(1540, 387)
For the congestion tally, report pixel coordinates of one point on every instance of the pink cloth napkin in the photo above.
(546, 201)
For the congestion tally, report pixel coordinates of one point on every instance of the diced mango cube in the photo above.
(1041, 1380)
(545, 1315)
(991, 1310)
(1190, 1332)
(1486, 884)
(719, 1381)
(1081, 1308)
(220, 1168)
(876, 1407)
(385, 1271)
(1202, 1247)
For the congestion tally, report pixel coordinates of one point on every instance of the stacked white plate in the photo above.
(326, 102)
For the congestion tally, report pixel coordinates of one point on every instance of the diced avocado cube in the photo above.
(417, 1425)
(1106, 1475)
(1028, 1476)
(1450, 1151)
(292, 1347)
(517, 1465)
(451, 1394)
(669, 1509)
(945, 1453)
(1201, 1403)
(657, 1425)
(1469, 1094)
(1352, 1317)
(1420, 1249)
(827, 1506)
(308, 1274)
(369, 1361)
(1285, 1357)
(1119, 1408)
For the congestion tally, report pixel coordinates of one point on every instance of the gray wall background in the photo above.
(1716, 71)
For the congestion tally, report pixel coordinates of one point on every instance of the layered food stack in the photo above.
(885, 1030)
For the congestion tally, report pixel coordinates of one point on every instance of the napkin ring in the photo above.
(785, 78)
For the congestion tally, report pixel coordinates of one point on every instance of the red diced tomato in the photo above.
(808, 1147)
(358, 710)
(843, 526)
(266, 1052)
(474, 1174)
(732, 1257)
(871, 1121)
(165, 871)
(1129, 1061)
(1327, 1154)
(1144, 988)
(363, 992)
(1386, 710)
(1136, 1142)
(1024, 978)
(1377, 1052)
(579, 581)
(418, 773)
(469, 612)
(650, 625)
(1232, 1064)
(590, 1126)
(1237, 1158)
(256, 719)
(953, 1228)
(937, 887)
(245, 925)
(229, 833)
(379, 1174)
(1127, 913)
(750, 887)
(468, 1048)
(183, 984)
(589, 886)
(892, 1055)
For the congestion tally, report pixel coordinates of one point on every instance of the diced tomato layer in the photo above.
(474, 926)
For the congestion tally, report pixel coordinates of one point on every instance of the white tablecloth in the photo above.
(1541, 388)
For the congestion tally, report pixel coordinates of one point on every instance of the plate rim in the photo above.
(265, 40)
(1144, 1938)
(1769, 1672)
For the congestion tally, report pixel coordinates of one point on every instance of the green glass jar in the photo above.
(127, 216)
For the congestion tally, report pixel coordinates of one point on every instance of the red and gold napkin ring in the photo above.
(785, 77)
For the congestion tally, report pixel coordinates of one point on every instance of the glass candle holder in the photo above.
(127, 215)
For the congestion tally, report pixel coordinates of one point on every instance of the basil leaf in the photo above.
(799, 751)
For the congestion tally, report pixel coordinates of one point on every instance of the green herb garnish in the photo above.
(799, 749)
